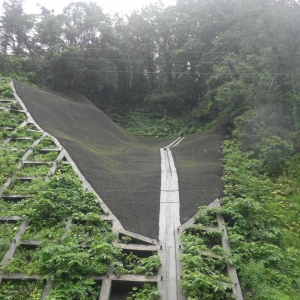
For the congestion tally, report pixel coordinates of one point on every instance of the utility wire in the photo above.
(194, 73)
(171, 61)
(189, 51)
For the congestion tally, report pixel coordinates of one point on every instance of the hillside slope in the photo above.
(125, 169)
(198, 162)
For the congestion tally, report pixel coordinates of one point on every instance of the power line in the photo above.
(188, 51)
(172, 52)
(194, 73)
(171, 61)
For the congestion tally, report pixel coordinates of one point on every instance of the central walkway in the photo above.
(169, 221)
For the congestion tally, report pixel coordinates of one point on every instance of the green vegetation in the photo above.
(45, 231)
(20, 187)
(133, 264)
(8, 119)
(19, 144)
(178, 68)
(46, 143)
(78, 289)
(22, 133)
(5, 90)
(60, 197)
(11, 105)
(8, 164)
(12, 208)
(22, 291)
(24, 261)
(204, 276)
(33, 170)
(7, 233)
(147, 292)
(263, 228)
(261, 210)
(45, 157)
(141, 122)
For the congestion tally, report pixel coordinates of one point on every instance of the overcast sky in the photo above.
(122, 6)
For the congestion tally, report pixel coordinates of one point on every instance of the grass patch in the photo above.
(12, 208)
(8, 163)
(46, 143)
(22, 291)
(46, 157)
(7, 233)
(45, 231)
(19, 144)
(20, 187)
(34, 170)
(24, 261)
(8, 119)
(263, 226)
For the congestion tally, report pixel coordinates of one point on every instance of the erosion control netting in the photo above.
(198, 163)
(125, 169)
(122, 168)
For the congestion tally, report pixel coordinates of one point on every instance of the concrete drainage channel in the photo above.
(170, 231)
(168, 246)
(169, 220)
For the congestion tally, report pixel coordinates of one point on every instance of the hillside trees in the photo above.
(200, 61)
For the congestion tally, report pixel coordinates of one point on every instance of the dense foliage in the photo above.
(262, 215)
(262, 218)
(198, 61)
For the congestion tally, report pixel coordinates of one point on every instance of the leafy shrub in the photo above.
(147, 292)
(5, 87)
(165, 104)
(202, 276)
(140, 122)
(62, 196)
(260, 226)
(136, 265)
(76, 289)
(8, 164)
(7, 94)
(21, 291)
(68, 261)
(274, 154)
(8, 119)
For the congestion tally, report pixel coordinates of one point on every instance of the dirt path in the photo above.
(169, 221)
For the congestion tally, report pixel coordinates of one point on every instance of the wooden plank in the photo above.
(17, 111)
(15, 197)
(20, 276)
(26, 178)
(21, 138)
(11, 218)
(32, 162)
(30, 243)
(49, 150)
(7, 128)
(135, 278)
(135, 247)
(139, 237)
